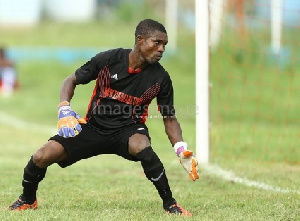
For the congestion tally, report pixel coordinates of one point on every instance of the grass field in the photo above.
(245, 138)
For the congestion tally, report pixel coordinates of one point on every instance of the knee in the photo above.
(40, 157)
(149, 158)
(50, 153)
(137, 143)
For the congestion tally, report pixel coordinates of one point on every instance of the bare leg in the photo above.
(51, 152)
(35, 171)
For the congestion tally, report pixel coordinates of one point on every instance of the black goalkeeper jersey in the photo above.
(121, 97)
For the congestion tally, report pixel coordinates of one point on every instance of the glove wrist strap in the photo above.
(179, 147)
(64, 105)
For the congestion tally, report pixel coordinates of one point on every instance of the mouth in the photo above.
(158, 57)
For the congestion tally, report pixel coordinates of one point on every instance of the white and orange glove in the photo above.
(187, 159)
(68, 121)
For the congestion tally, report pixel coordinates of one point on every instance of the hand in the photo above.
(187, 159)
(189, 163)
(68, 121)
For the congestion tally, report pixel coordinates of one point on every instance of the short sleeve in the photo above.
(90, 70)
(165, 98)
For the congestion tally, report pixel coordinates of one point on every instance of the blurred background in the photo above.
(255, 82)
(41, 15)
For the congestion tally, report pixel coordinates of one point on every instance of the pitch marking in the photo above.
(211, 169)
(230, 176)
(14, 122)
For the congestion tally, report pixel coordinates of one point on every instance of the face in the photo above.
(153, 47)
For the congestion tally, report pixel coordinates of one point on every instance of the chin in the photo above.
(153, 61)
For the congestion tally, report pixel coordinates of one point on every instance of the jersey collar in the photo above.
(131, 71)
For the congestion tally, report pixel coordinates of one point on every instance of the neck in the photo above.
(136, 61)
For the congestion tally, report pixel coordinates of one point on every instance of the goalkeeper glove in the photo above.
(187, 159)
(68, 121)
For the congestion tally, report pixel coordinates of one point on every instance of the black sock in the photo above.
(155, 172)
(31, 178)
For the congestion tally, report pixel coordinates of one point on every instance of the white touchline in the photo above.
(230, 176)
(209, 168)
(17, 123)
(217, 171)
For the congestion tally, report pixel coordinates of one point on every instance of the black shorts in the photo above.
(89, 143)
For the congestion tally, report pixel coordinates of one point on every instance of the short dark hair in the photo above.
(146, 27)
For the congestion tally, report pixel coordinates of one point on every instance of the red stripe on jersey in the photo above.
(104, 79)
(145, 114)
(91, 100)
(102, 83)
(151, 92)
(122, 97)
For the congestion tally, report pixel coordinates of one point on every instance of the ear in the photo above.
(139, 39)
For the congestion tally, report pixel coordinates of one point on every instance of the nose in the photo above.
(161, 48)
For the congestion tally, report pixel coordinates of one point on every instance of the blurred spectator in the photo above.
(238, 6)
(8, 77)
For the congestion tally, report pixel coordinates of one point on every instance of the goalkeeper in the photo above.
(127, 80)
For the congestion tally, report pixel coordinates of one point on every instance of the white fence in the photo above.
(29, 12)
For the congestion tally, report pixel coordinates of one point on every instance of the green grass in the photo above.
(254, 104)
(69, 34)
(254, 133)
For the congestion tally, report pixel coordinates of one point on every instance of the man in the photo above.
(8, 77)
(126, 82)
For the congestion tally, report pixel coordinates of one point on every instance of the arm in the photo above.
(173, 129)
(68, 88)
(174, 132)
(186, 158)
(68, 120)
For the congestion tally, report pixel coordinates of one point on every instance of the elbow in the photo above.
(71, 80)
